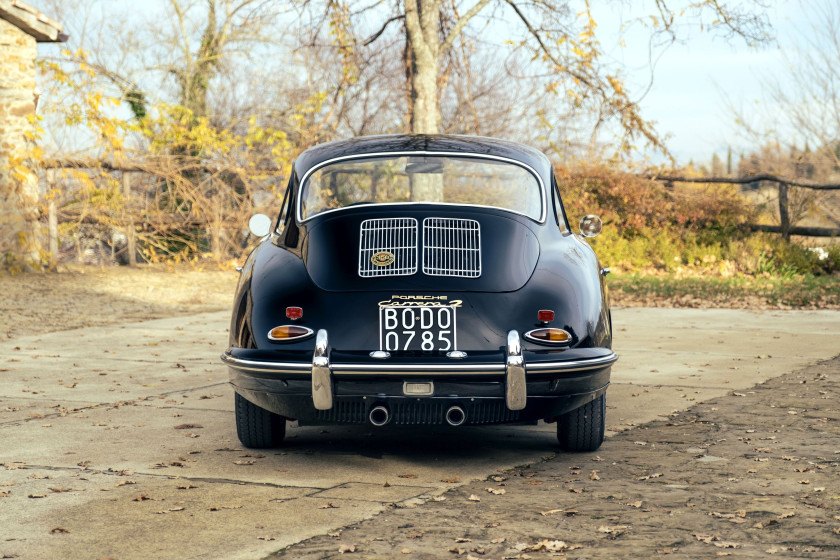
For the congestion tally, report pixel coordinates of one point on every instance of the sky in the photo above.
(696, 80)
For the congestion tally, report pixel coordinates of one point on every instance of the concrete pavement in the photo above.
(120, 441)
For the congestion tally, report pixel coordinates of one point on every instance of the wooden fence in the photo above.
(784, 185)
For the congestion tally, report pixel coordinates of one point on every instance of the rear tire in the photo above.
(582, 429)
(257, 427)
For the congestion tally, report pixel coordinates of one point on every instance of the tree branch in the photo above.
(460, 24)
(385, 25)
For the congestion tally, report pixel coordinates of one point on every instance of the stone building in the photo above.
(21, 28)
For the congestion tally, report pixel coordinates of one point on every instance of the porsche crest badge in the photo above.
(383, 258)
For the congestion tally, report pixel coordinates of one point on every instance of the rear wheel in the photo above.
(582, 429)
(257, 427)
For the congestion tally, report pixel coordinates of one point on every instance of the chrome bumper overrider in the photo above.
(514, 369)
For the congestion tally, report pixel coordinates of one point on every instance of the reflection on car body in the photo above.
(422, 279)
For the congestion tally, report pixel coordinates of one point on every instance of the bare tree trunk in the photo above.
(422, 25)
(784, 211)
(130, 232)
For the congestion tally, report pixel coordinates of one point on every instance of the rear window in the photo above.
(421, 179)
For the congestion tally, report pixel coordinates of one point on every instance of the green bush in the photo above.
(687, 230)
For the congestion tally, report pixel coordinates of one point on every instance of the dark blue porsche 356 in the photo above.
(413, 279)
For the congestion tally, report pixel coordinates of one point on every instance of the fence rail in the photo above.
(784, 184)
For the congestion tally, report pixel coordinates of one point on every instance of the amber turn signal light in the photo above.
(549, 336)
(289, 333)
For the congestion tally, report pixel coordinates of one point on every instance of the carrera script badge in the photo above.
(382, 258)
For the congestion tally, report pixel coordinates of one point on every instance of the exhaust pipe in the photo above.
(380, 415)
(455, 416)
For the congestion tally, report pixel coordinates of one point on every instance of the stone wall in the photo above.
(20, 243)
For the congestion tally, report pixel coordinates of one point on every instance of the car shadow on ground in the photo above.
(422, 442)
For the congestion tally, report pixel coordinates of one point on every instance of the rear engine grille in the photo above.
(392, 239)
(451, 247)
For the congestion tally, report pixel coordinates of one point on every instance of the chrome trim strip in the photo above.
(574, 365)
(402, 369)
(322, 393)
(516, 395)
(533, 171)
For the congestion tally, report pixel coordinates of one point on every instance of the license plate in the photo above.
(424, 329)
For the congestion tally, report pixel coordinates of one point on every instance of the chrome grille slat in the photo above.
(396, 235)
(451, 247)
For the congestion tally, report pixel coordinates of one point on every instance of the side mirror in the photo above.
(590, 225)
(260, 225)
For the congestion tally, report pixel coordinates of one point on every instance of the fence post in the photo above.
(131, 245)
(784, 211)
(216, 231)
(52, 218)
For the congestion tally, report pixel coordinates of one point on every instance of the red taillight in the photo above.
(545, 315)
(294, 312)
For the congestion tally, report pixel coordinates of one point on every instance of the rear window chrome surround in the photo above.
(408, 153)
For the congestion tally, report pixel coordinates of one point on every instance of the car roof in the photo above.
(447, 143)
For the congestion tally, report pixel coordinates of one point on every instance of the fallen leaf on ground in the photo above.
(140, 498)
(547, 546)
(58, 530)
(188, 426)
(457, 550)
(266, 538)
(463, 539)
(474, 498)
(702, 537)
(186, 486)
(498, 540)
(593, 475)
(614, 530)
(550, 512)
(219, 508)
(244, 462)
(124, 482)
(406, 551)
(650, 476)
(636, 504)
(347, 548)
(452, 480)
(328, 505)
(726, 544)
(533, 482)
(496, 491)
(787, 515)
(37, 495)
(407, 475)
(165, 511)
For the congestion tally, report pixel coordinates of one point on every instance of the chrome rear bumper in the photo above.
(514, 369)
